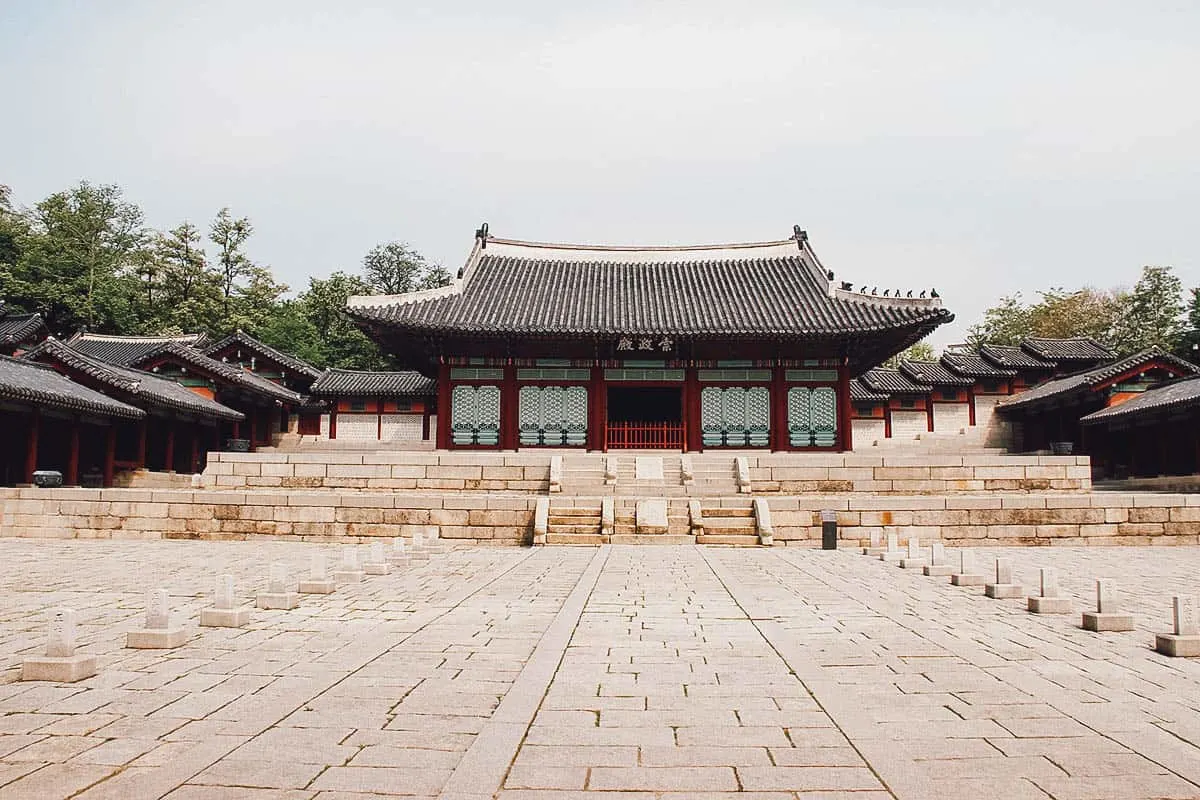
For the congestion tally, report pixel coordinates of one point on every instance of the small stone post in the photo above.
(61, 663)
(1108, 615)
(158, 634)
(892, 554)
(1004, 588)
(938, 567)
(398, 557)
(966, 575)
(318, 581)
(223, 613)
(376, 563)
(1184, 640)
(1048, 599)
(876, 546)
(915, 558)
(418, 552)
(349, 571)
(278, 594)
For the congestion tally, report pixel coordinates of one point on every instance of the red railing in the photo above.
(645, 435)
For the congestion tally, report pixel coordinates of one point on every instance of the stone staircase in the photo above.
(144, 479)
(728, 526)
(575, 525)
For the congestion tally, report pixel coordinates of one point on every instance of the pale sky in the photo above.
(1008, 146)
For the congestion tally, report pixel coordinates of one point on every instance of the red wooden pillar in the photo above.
(110, 453)
(443, 407)
(887, 418)
(141, 444)
(425, 421)
(509, 412)
(169, 458)
(252, 417)
(73, 457)
(929, 412)
(692, 418)
(333, 407)
(780, 438)
(379, 419)
(194, 461)
(597, 410)
(847, 434)
(971, 405)
(237, 429)
(31, 445)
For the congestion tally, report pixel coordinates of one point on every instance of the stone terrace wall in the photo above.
(781, 473)
(384, 470)
(328, 515)
(1101, 518)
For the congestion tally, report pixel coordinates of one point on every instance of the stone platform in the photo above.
(660, 673)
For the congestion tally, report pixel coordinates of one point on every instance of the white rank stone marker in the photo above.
(398, 557)
(418, 552)
(61, 663)
(1184, 640)
(349, 571)
(1107, 616)
(158, 634)
(892, 554)
(966, 575)
(223, 613)
(1003, 588)
(376, 563)
(1048, 599)
(278, 595)
(876, 545)
(938, 567)
(318, 581)
(915, 558)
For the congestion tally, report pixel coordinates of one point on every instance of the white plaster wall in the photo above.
(951, 417)
(402, 427)
(909, 424)
(866, 432)
(995, 431)
(358, 427)
(324, 426)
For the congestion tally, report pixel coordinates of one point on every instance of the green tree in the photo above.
(1086, 312)
(254, 302)
(344, 345)
(289, 329)
(78, 259)
(12, 229)
(919, 351)
(191, 291)
(1189, 340)
(1006, 323)
(396, 268)
(230, 235)
(1152, 313)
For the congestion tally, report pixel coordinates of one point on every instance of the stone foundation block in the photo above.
(60, 669)
(224, 617)
(325, 586)
(349, 576)
(967, 579)
(938, 570)
(1170, 644)
(284, 601)
(1101, 622)
(914, 563)
(156, 638)
(377, 568)
(1049, 605)
(1004, 591)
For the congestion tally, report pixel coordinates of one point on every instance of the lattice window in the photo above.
(475, 415)
(812, 416)
(553, 415)
(735, 416)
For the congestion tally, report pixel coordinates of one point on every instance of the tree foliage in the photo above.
(919, 351)
(396, 268)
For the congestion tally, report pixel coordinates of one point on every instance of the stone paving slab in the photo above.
(612, 672)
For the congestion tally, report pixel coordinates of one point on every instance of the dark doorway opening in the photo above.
(645, 417)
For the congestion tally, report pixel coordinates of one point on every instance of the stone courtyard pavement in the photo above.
(614, 672)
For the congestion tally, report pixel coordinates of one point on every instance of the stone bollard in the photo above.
(875, 548)
(1004, 588)
(398, 557)
(938, 567)
(376, 563)
(1048, 599)
(1185, 640)
(433, 535)
(1108, 615)
(418, 552)
(61, 663)
(966, 575)
(318, 581)
(223, 613)
(349, 571)
(892, 554)
(278, 594)
(915, 558)
(159, 633)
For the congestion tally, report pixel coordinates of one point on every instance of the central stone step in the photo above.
(648, 468)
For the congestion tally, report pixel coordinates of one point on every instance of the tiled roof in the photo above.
(861, 393)
(891, 381)
(775, 289)
(129, 350)
(244, 340)
(347, 383)
(17, 328)
(973, 366)
(1012, 357)
(25, 382)
(1086, 380)
(135, 385)
(1081, 349)
(232, 373)
(932, 373)
(1182, 393)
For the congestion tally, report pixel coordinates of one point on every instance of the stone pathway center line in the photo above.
(483, 768)
(756, 614)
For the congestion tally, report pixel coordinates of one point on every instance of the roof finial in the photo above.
(482, 235)
(801, 236)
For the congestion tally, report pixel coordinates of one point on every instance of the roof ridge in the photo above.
(638, 248)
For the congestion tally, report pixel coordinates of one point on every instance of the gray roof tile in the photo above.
(1178, 394)
(1080, 382)
(932, 373)
(240, 339)
(891, 381)
(972, 366)
(128, 350)
(1012, 357)
(1079, 349)
(27, 383)
(349, 383)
